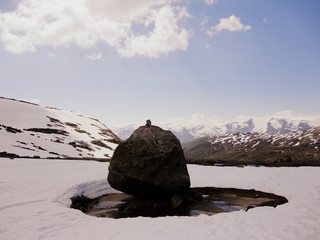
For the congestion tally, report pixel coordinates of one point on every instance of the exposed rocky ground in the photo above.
(272, 149)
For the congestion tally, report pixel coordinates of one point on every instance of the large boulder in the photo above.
(149, 164)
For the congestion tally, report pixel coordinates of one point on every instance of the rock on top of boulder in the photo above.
(150, 163)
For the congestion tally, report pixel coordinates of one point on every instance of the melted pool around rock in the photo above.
(214, 200)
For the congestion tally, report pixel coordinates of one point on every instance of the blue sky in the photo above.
(160, 59)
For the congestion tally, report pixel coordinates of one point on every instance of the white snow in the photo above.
(21, 116)
(35, 194)
(256, 144)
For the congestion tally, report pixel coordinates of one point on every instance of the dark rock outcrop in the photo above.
(149, 164)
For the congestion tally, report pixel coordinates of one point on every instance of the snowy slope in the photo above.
(30, 130)
(35, 199)
(290, 148)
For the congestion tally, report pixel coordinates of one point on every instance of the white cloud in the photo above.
(260, 121)
(52, 54)
(198, 116)
(195, 120)
(204, 23)
(95, 56)
(210, 2)
(231, 24)
(285, 114)
(57, 23)
(166, 33)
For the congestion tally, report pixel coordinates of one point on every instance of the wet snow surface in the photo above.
(214, 201)
(35, 200)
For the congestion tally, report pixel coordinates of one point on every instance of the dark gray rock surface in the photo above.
(149, 164)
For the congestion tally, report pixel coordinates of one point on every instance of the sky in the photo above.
(127, 61)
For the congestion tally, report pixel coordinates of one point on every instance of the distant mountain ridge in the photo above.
(273, 141)
(296, 148)
(30, 130)
(189, 132)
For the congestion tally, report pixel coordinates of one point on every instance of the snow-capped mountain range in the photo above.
(294, 148)
(30, 130)
(272, 141)
(190, 131)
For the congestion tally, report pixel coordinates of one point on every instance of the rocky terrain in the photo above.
(294, 148)
(30, 130)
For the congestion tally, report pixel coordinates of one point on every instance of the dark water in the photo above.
(214, 201)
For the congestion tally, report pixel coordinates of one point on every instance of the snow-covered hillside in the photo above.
(30, 130)
(294, 148)
(190, 130)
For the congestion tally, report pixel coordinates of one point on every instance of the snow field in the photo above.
(34, 204)
(79, 128)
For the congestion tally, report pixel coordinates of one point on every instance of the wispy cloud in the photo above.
(95, 56)
(231, 24)
(260, 120)
(196, 119)
(52, 54)
(204, 23)
(210, 2)
(59, 23)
